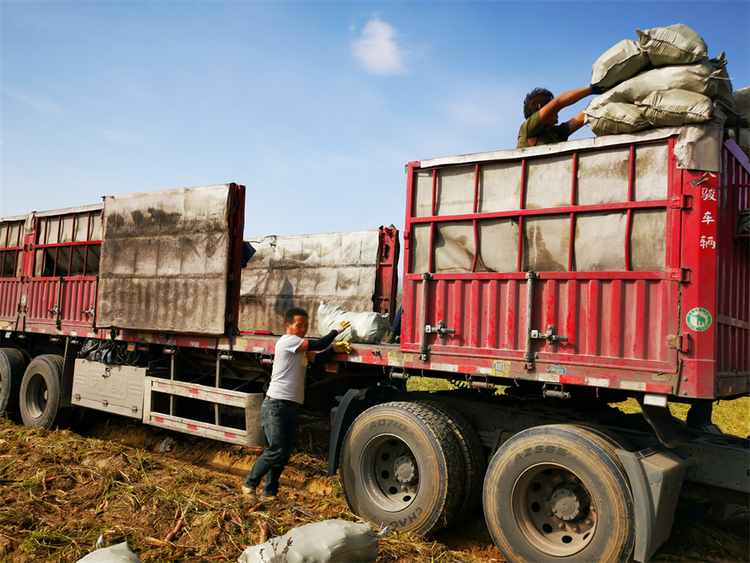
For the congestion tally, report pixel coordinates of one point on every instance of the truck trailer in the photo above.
(545, 284)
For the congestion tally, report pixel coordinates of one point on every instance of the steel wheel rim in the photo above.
(554, 510)
(37, 396)
(390, 473)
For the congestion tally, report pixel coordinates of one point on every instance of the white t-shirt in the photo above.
(289, 367)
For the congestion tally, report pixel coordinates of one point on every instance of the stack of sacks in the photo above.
(663, 80)
(742, 103)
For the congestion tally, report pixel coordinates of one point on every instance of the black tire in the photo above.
(401, 466)
(40, 396)
(559, 493)
(12, 366)
(474, 459)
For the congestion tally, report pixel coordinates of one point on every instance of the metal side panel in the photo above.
(302, 271)
(253, 436)
(202, 429)
(113, 389)
(165, 261)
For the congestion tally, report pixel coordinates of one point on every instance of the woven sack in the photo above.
(698, 77)
(672, 108)
(618, 63)
(741, 99)
(616, 118)
(673, 45)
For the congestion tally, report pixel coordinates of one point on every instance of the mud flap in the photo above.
(256, 438)
(655, 482)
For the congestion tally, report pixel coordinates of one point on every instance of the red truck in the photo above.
(573, 276)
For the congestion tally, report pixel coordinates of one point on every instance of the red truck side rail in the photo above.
(663, 310)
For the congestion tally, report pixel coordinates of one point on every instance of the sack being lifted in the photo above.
(365, 327)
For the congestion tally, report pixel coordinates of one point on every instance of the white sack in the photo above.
(675, 107)
(365, 327)
(619, 63)
(119, 553)
(741, 99)
(616, 118)
(330, 541)
(673, 45)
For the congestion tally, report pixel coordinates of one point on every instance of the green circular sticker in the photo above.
(699, 319)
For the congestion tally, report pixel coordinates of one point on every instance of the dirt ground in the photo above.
(59, 491)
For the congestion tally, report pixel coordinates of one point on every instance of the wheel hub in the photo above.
(554, 510)
(566, 502)
(403, 469)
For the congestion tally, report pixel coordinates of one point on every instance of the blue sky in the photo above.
(315, 106)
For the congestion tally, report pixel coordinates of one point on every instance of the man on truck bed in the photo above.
(540, 108)
(280, 408)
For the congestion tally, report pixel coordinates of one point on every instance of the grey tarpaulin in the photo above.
(602, 178)
(300, 271)
(165, 260)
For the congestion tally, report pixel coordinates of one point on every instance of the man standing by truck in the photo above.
(285, 395)
(540, 108)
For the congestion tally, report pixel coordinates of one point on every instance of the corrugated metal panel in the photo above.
(302, 271)
(165, 261)
(606, 321)
(42, 297)
(10, 292)
(733, 281)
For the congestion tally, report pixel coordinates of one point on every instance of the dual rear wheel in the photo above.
(414, 466)
(33, 388)
(550, 493)
(559, 493)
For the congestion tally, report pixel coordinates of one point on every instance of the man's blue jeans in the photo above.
(279, 420)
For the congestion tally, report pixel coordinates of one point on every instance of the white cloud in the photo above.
(377, 51)
(37, 102)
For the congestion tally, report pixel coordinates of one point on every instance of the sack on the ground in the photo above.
(616, 118)
(119, 553)
(619, 63)
(675, 107)
(741, 99)
(673, 45)
(364, 327)
(330, 541)
(698, 77)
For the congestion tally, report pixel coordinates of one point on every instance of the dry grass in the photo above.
(60, 491)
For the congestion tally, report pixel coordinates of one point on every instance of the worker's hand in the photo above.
(597, 90)
(342, 348)
(342, 326)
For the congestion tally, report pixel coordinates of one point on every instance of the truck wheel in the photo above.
(474, 459)
(12, 364)
(559, 493)
(40, 393)
(401, 466)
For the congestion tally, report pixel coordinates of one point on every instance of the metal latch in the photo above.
(440, 329)
(555, 390)
(549, 336)
(679, 342)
